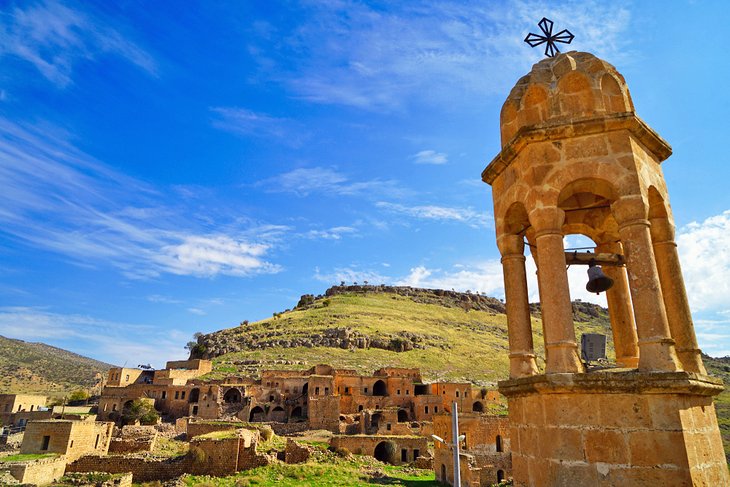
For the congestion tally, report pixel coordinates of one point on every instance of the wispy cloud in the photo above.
(350, 275)
(60, 199)
(242, 121)
(355, 54)
(322, 180)
(55, 38)
(468, 216)
(334, 233)
(430, 157)
(110, 341)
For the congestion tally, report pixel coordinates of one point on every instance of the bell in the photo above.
(597, 280)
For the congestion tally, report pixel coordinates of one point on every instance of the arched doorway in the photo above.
(257, 415)
(375, 420)
(443, 474)
(232, 395)
(194, 395)
(478, 407)
(500, 476)
(385, 452)
(296, 414)
(278, 415)
(402, 416)
(379, 388)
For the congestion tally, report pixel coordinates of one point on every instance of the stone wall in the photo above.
(100, 479)
(39, 472)
(71, 438)
(407, 448)
(142, 469)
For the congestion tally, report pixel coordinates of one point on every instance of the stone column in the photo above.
(675, 295)
(656, 347)
(519, 325)
(620, 311)
(561, 350)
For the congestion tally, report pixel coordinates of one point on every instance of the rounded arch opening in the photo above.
(402, 416)
(500, 476)
(194, 395)
(379, 388)
(385, 452)
(257, 415)
(278, 415)
(477, 407)
(297, 413)
(232, 396)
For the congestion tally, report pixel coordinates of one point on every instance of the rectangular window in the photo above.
(46, 442)
(416, 454)
(426, 409)
(406, 392)
(347, 390)
(388, 426)
(403, 455)
(398, 392)
(164, 394)
(182, 395)
(435, 409)
(72, 444)
(177, 394)
(96, 443)
(366, 390)
(326, 391)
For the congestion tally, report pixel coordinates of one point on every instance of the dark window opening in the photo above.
(416, 453)
(379, 389)
(403, 455)
(46, 442)
(498, 442)
(96, 443)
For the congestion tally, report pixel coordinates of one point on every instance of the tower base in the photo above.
(615, 428)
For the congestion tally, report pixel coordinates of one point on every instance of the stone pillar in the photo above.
(656, 347)
(620, 311)
(675, 295)
(561, 350)
(519, 325)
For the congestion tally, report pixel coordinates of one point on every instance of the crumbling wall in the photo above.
(39, 472)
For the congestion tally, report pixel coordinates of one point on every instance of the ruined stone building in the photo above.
(338, 400)
(70, 438)
(485, 454)
(18, 409)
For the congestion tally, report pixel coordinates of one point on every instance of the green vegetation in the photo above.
(142, 411)
(328, 470)
(25, 457)
(720, 367)
(453, 339)
(36, 368)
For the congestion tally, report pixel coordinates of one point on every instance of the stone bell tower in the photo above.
(576, 159)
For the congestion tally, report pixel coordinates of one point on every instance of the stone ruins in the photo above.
(576, 159)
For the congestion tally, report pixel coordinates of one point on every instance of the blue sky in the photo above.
(174, 167)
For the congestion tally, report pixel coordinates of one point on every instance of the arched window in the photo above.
(379, 389)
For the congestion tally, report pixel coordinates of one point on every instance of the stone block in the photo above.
(562, 444)
(651, 448)
(585, 147)
(606, 446)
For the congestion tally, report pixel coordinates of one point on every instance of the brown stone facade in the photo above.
(72, 439)
(576, 159)
(485, 453)
(396, 450)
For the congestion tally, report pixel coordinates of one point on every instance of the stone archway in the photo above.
(385, 451)
(380, 389)
(257, 415)
(278, 415)
(232, 395)
(477, 407)
(402, 416)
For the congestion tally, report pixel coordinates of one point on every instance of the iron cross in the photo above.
(546, 26)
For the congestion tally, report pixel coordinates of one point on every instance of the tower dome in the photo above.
(569, 86)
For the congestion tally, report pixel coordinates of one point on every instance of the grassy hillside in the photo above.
(365, 328)
(32, 368)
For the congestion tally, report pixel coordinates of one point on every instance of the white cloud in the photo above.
(197, 311)
(704, 250)
(60, 199)
(334, 233)
(245, 122)
(468, 215)
(55, 38)
(305, 181)
(430, 157)
(355, 54)
(110, 341)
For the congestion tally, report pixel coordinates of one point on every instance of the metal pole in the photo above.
(455, 435)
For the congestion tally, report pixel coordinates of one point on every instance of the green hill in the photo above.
(448, 335)
(36, 368)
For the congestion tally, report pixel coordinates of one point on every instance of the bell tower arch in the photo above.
(576, 159)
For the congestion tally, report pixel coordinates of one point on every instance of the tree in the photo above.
(78, 395)
(142, 411)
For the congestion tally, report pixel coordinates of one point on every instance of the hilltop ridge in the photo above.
(365, 327)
